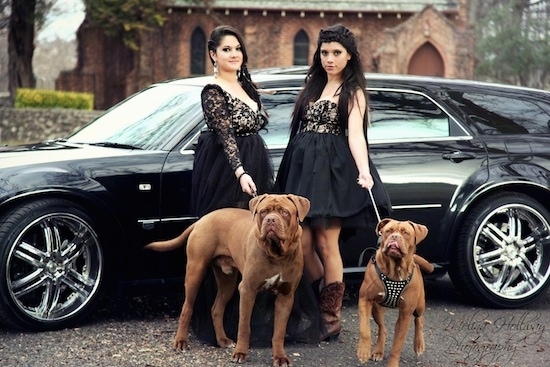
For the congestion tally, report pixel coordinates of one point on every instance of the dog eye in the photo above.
(263, 212)
(284, 213)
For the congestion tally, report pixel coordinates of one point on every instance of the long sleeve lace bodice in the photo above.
(229, 117)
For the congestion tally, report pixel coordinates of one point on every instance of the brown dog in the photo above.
(393, 267)
(264, 244)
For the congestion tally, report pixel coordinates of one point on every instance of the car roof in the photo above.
(294, 74)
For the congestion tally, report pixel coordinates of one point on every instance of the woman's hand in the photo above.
(365, 181)
(247, 184)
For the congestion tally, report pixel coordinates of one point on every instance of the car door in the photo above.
(424, 155)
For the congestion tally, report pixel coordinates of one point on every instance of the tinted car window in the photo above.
(498, 114)
(395, 115)
(405, 115)
(279, 104)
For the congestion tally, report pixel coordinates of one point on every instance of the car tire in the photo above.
(502, 256)
(53, 265)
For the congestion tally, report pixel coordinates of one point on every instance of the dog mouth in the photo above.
(274, 243)
(394, 249)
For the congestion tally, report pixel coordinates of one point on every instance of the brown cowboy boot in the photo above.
(331, 306)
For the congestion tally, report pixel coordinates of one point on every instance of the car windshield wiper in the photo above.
(108, 144)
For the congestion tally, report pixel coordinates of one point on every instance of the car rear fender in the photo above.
(465, 200)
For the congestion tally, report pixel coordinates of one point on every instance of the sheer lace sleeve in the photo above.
(218, 118)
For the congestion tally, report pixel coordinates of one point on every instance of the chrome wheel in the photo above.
(503, 253)
(509, 251)
(53, 267)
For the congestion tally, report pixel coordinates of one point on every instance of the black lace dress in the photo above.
(232, 140)
(318, 164)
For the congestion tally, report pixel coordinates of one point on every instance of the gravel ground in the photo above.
(137, 331)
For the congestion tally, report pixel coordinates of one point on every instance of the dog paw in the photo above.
(281, 361)
(363, 354)
(239, 357)
(419, 348)
(226, 343)
(180, 345)
(377, 357)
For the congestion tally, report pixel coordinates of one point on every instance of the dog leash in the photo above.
(379, 219)
(374, 206)
(377, 216)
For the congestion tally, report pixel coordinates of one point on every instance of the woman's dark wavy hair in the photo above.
(244, 76)
(316, 78)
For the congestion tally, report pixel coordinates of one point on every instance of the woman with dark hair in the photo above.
(231, 161)
(327, 161)
(232, 165)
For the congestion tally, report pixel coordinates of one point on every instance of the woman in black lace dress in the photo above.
(231, 161)
(231, 165)
(327, 161)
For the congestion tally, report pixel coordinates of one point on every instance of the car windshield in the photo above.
(150, 119)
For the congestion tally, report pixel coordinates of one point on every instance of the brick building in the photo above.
(405, 37)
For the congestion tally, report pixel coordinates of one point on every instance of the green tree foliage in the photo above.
(513, 42)
(125, 18)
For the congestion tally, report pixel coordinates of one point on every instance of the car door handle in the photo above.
(458, 156)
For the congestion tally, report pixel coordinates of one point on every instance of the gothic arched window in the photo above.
(198, 51)
(301, 48)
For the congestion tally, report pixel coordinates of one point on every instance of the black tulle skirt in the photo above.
(304, 324)
(214, 184)
(321, 168)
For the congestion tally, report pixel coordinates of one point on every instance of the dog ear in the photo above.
(253, 203)
(420, 231)
(381, 225)
(302, 205)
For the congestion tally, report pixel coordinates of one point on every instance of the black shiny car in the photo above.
(469, 160)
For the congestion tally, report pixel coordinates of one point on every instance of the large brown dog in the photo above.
(264, 244)
(393, 267)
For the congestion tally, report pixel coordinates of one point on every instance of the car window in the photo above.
(405, 115)
(146, 120)
(279, 105)
(493, 114)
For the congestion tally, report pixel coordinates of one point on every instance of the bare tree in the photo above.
(21, 45)
(24, 17)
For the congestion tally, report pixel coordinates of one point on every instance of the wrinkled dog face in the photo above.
(398, 239)
(277, 229)
(277, 218)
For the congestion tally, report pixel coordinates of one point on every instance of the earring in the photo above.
(215, 69)
(238, 74)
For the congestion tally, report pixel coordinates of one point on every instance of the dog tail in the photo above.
(174, 243)
(424, 264)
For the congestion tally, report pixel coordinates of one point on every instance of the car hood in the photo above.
(50, 152)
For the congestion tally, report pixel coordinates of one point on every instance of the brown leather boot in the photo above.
(331, 307)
